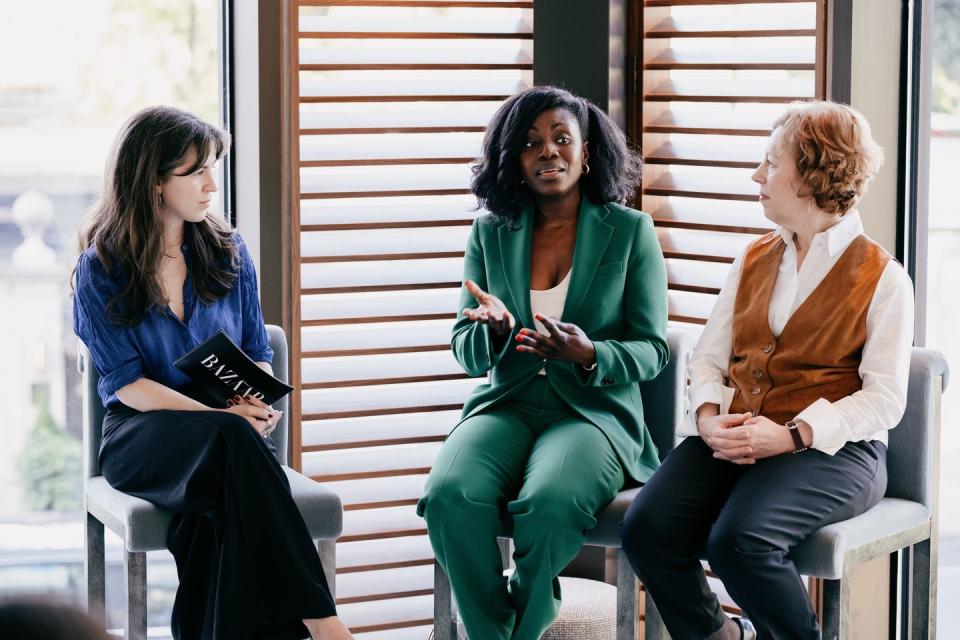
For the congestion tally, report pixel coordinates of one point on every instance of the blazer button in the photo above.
(756, 391)
(607, 380)
(767, 348)
(757, 374)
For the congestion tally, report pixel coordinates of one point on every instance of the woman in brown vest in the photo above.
(798, 375)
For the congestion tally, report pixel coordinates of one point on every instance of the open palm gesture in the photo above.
(491, 312)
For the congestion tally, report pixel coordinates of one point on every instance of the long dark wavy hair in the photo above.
(615, 169)
(125, 227)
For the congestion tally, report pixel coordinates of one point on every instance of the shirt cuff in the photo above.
(827, 426)
(709, 393)
(119, 378)
(261, 356)
(494, 355)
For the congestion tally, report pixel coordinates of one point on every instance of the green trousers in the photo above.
(532, 466)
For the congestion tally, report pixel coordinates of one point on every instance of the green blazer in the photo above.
(617, 295)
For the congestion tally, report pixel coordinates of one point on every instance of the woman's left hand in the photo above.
(565, 341)
(765, 438)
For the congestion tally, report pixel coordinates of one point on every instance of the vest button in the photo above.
(767, 348)
(756, 391)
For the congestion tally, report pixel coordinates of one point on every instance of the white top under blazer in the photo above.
(549, 302)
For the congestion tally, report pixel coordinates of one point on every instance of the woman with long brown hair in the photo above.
(159, 274)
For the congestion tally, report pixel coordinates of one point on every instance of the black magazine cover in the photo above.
(220, 370)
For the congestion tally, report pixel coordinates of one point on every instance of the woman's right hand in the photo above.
(258, 417)
(725, 448)
(491, 312)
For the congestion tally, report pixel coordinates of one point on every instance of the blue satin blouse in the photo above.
(124, 354)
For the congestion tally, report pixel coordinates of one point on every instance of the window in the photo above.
(393, 99)
(74, 73)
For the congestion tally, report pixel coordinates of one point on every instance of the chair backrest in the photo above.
(93, 411)
(910, 463)
(664, 396)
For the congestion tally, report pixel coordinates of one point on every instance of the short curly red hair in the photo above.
(835, 152)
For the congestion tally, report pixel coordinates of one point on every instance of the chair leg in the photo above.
(328, 559)
(135, 569)
(628, 591)
(653, 627)
(923, 592)
(444, 618)
(836, 608)
(94, 569)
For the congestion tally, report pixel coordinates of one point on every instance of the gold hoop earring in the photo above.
(586, 168)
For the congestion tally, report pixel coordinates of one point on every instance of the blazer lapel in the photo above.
(515, 261)
(593, 236)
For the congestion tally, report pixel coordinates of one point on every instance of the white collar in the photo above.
(837, 238)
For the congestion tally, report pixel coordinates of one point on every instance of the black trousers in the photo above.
(747, 518)
(247, 565)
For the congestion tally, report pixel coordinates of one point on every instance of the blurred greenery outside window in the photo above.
(73, 73)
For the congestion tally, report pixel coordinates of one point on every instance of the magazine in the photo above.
(219, 370)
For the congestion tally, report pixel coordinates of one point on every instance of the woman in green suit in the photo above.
(564, 305)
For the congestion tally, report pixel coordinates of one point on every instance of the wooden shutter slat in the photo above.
(706, 186)
(516, 4)
(692, 245)
(482, 4)
(361, 556)
(785, 61)
(409, 335)
(728, 91)
(688, 153)
(711, 216)
(680, 28)
(422, 35)
(710, 124)
(386, 66)
(688, 3)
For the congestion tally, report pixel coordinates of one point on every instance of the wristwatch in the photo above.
(798, 445)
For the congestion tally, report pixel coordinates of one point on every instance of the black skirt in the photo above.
(248, 568)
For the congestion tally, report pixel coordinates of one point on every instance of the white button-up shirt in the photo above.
(884, 368)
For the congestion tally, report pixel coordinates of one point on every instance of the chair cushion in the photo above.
(607, 531)
(892, 524)
(588, 611)
(143, 526)
(820, 555)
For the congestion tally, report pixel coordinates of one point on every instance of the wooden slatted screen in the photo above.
(708, 78)
(393, 99)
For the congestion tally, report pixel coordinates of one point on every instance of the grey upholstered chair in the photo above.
(905, 519)
(143, 527)
(663, 408)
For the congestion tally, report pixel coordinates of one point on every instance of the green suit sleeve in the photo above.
(471, 343)
(643, 351)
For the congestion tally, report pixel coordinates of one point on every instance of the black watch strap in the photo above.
(798, 445)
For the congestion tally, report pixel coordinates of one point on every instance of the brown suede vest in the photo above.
(818, 353)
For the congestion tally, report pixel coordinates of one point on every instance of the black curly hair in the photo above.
(615, 168)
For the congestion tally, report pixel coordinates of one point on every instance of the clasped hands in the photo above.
(742, 438)
(259, 414)
(565, 341)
